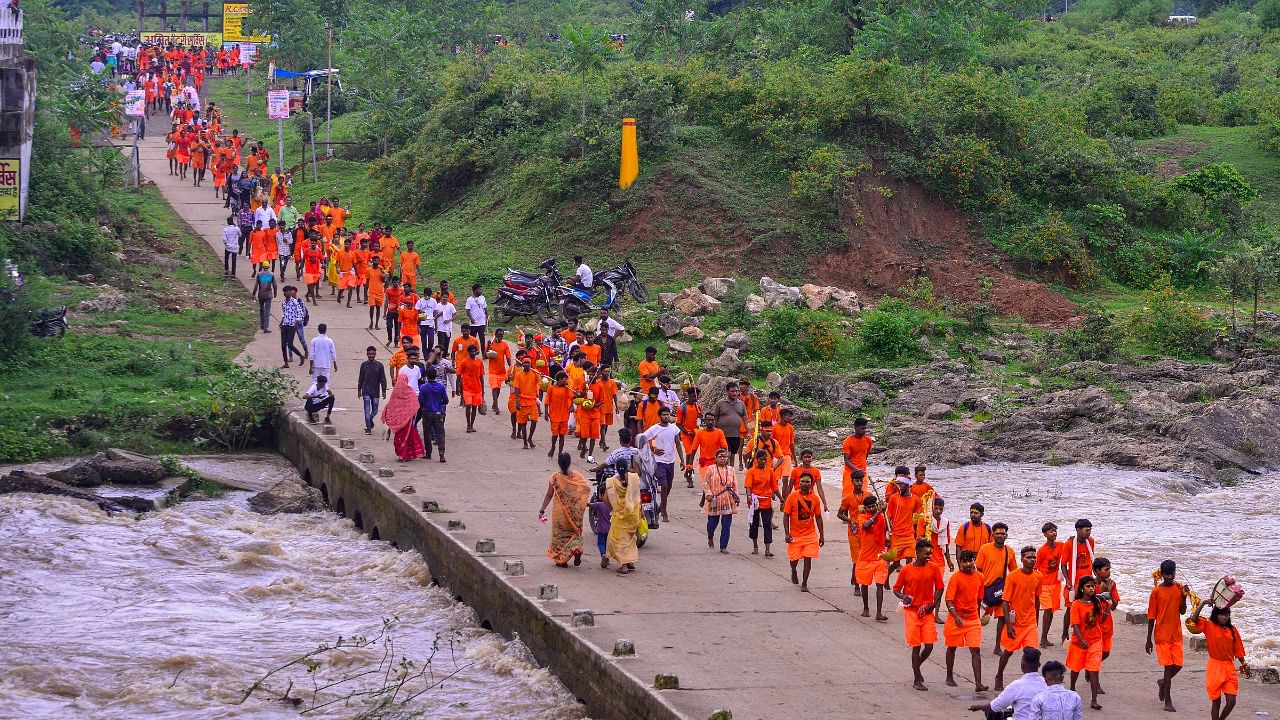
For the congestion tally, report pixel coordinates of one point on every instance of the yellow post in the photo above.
(630, 166)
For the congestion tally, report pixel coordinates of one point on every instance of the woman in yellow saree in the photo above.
(623, 495)
(570, 492)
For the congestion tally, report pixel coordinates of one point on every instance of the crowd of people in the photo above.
(741, 450)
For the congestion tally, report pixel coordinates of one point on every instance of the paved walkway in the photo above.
(733, 628)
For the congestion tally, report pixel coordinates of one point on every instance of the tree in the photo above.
(1221, 188)
(1252, 268)
(586, 52)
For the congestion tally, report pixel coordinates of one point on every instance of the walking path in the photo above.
(732, 627)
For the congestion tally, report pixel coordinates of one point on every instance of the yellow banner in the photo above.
(233, 15)
(184, 39)
(10, 187)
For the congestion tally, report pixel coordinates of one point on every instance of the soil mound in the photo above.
(897, 230)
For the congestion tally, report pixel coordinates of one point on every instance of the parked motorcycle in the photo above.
(626, 278)
(523, 278)
(50, 322)
(575, 302)
(540, 301)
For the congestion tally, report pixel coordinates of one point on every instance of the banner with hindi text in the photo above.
(182, 39)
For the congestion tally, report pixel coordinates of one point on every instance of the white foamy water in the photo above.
(176, 614)
(1139, 519)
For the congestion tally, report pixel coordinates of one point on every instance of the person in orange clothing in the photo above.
(649, 369)
(921, 487)
(363, 256)
(937, 531)
(871, 567)
(850, 506)
(558, 401)
(1223, 642)
(407, 316)
(409, 263)
(1076, 562)
(995, 561)
(919, 587)
(1021, 591)
(387, 247)
(347, 278)
(458, 350)
(593, 352)
(375, 293)
(1084, 651)
(647, 410)
(499, 357)
(607, 403)
(471, 374)
(963, 627)
(974, 533)
(706, 442)
(339, 213)
(784, 431)
(1047, 559)
(570, 332)
(802, 529)
(524, 386)
(855, 449)
(1110, 597)
(761, 486)
(1165, 607)
(262, 243)
(902, 508)
(807, 466)
(312, 260)
(588, 415)
(688, 416)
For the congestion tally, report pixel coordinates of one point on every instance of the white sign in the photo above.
(135, 103)
(278, 104)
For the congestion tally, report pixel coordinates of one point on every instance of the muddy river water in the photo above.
(177, 614)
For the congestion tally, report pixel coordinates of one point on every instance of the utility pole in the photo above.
(328, 95)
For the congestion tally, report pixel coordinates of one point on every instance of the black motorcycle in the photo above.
(625, 278)
(50, 322)
(540, 301)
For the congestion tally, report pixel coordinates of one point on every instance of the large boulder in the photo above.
(727, 364)
(126, 468)
(714, 388)
(110, 301)
(778, 295)
(845, 394)
(82, 474)
(738, 341)
(287, 496)
(692, 301)
(693, 331)
(815, 296)
(754, 304)
(665, 300)
(718, 287)
(668, 325)
(845, 302)
(679, 348)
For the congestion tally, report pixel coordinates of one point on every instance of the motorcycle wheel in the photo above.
(572, 310)
(549, 315)
(639, 291)
(505, 316)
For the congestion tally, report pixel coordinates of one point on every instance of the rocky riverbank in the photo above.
(1215, 421)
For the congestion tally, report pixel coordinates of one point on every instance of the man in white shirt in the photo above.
(318, 397)
(445, 312)
(1056, 702)
(265, 215)
(1021, 692)
(414, 369)
(666, 395)
(478, 315)
(426, 307)
(585, 278)
(667, 449)
(324, 356)
(231, 245)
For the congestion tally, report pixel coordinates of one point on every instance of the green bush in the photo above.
(791, 336)
(243, 402)
(1096, 338)
(888, 333)
(1169, 323)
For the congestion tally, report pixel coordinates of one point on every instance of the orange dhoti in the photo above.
(803, 546)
